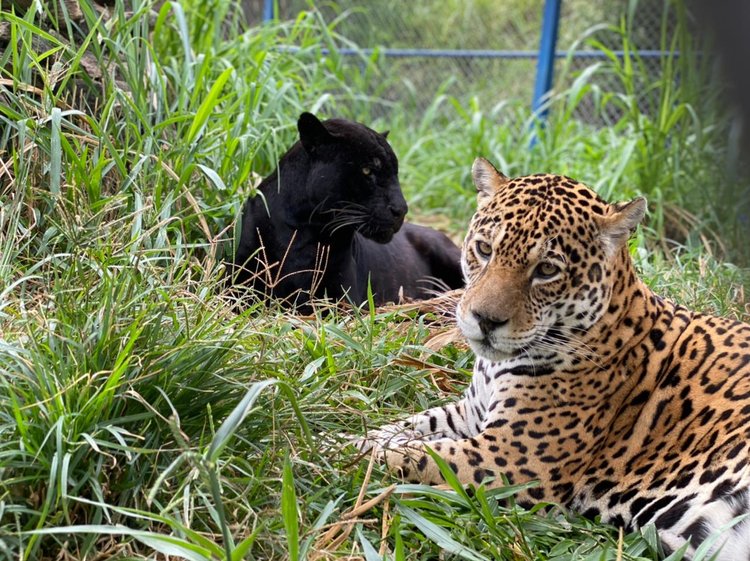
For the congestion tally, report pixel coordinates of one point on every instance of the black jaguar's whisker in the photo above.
(344, 219)
(340, 225)
(317, 207)
(349, 215)
(434, 286)
(348, 208)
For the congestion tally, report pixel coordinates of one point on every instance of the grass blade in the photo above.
(208, 105)
(234, 420)
(289, 510)
(439, 535)
(55, 164)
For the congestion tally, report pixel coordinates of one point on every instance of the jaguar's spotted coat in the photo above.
(620, 403)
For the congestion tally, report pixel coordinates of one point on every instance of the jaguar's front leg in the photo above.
(437, 423)
(467, 457)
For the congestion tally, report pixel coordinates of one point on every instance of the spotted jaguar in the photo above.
(621, 404)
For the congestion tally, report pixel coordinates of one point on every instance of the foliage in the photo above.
(139, 413)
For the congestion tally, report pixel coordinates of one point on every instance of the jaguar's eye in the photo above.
(366, 171)
(484, 249)
(546, 270)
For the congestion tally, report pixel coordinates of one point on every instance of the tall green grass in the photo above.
(138, 413)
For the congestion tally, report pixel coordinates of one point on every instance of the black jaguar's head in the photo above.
(352, 181)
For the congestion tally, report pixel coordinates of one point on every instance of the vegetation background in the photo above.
(140, 418)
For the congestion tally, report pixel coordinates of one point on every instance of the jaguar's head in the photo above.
(539, 259)
(352, 181)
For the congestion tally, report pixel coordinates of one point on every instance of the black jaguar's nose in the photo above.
(487, 323)
(398, 210)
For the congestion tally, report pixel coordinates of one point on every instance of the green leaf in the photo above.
(55, 153)
(208, 104)
(213, 177)
(440, 536)
(167, 545)
(371, 554)
(289, 510)
(451, 478)
(235, 418)
(173, 547)
(243, 547)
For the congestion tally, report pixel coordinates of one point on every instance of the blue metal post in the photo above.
(546, 61)
(268, 10)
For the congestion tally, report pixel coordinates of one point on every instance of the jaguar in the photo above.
(329, 223)
(621, 404)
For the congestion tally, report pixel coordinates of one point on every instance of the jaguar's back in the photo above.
(620, 403)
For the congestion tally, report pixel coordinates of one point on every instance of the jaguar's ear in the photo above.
(312, 133)
(384, 134)
(616, 227)
(486, 179)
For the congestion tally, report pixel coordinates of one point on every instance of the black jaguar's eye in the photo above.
(546, 270)
(366, 170)
(484, 249)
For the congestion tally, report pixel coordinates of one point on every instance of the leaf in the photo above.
(167, 545)
(451, 478)
(208, 104)
(398, 547)
(702, 552)
(55, 152)
(311, 368)
(440, 536)
(371, 554)
(289, 510)
(289, 394)
(243, 547)
(235, 418)
(213, 177)
(172, 547)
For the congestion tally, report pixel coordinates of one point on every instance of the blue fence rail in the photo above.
(482, 53)
(545, 56)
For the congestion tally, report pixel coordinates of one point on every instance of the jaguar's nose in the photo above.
(396, 201)
(488, 323)
(398, 209)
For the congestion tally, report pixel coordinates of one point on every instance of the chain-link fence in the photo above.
(454, 30)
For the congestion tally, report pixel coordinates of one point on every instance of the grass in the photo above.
(140, 415)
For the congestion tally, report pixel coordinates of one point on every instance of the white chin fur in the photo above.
(485, 351)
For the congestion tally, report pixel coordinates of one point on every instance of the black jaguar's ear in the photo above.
(384, 134)
(312, 133)
(486, 179)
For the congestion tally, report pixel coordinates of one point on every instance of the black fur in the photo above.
(335, 204)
